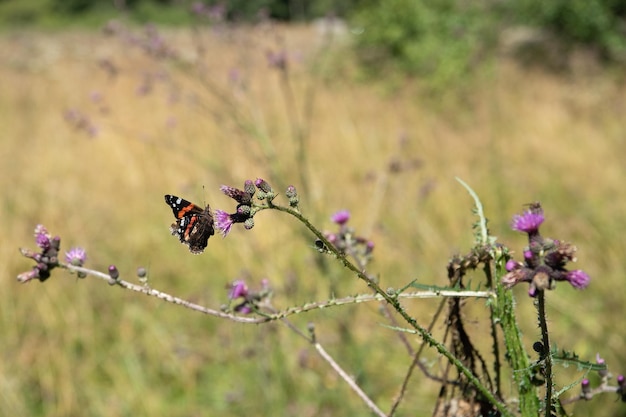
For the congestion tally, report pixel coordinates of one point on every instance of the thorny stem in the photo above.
(147, 290)
(547, 355)
(491, 273)
(393, 301)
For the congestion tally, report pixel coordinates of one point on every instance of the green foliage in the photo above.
(594, 22)
(440, 41)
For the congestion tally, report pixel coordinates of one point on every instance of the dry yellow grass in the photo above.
(81, 348)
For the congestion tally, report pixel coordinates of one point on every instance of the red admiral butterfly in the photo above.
(193, 225)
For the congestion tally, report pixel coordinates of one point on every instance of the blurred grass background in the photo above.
(388, 154)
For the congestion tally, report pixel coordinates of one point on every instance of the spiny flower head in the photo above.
(341, 217)
(250, 299)
(530, 220)
(223, 222)
(76, 256)
(42, 237)
(240, 196)
(46, 259)
(545, 259)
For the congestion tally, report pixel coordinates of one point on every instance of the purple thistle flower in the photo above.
(263, 185)
(341, 217)
(223, 222)
(240, 196)
(42, 237)
(249, 187)
(238, 289)
(579, 279)
(28, 275)
(527, 222)
(76, 256)
(585, 386)
(511, 265)
(114, 273)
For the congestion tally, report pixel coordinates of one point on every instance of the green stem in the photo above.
(393, 301)
(547, 355)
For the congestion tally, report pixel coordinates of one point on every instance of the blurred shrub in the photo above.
(440, 40)
(597, 23)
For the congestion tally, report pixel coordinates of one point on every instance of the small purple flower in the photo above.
(511, 265)
(263, 185)
(292, 195)
(585, 386)
(249, 187)
(341, 217)
(76, 256)
(600, 361)
(28, 275)
(579, 279)
(223, 222)
(42, 237)
(238, 289)
(527, 222)
(240, 196)
(114, 273)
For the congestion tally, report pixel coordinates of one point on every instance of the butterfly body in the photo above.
(193, 225)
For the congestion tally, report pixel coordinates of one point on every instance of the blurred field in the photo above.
(77, 348)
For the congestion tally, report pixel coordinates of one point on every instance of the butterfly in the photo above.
(193, 225)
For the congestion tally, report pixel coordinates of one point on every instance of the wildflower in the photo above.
(529, 221)
(45, 260)
(76, 256)
(341, 217)
(42, 237)
(600, 361)
(512, 265)
(238, 289)
(579, 279)
(265, 189)
(346, 240)
(545, 260)
(240, 196)
(251, 299)
(586, 388)
(249, 187)
(223, 222)
(28, 275)
(621, 387)
(292, 195)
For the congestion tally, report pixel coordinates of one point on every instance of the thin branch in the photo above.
(147, 290)
(353, 385)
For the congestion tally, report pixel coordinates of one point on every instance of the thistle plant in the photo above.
(470, 380)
